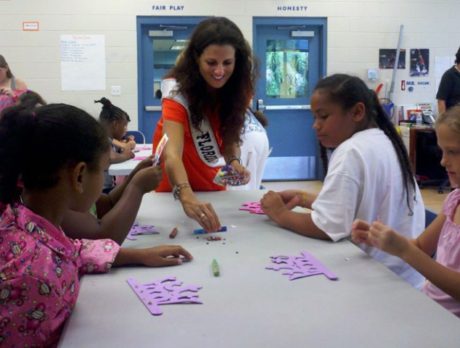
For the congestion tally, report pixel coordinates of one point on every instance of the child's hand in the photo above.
(273, 205)
(127, 154)
(380, 236)
(130, 144)
(360, 231)
(164, 255)
(6, 91)
(147, 179)
(383, 237)
(145, 163)
(160, 256)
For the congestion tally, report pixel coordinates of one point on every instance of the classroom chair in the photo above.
(429, 217)
(139, 137)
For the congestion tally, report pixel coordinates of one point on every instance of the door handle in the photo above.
(288, 107)
(260, 105)
(152, 108)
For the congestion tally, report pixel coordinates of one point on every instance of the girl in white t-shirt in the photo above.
(368, 174)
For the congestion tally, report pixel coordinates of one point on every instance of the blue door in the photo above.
(292, 58)
(159, 41)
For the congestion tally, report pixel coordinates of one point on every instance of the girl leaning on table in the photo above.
(441, 238)
(115, 122)
(56, 158)
(368, 174)
(205, 115)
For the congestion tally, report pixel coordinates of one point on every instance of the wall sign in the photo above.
(168, 7)
(30, 26)
(293, 8)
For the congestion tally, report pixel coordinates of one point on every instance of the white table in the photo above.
(124, 168)
(248, 306)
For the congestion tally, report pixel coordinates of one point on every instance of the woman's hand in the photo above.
(380, 236)
(242, 172)
(160, 256)
(201, 212)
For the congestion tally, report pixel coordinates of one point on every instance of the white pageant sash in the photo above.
(203, 138)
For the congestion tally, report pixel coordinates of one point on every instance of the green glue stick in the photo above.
(215, 268)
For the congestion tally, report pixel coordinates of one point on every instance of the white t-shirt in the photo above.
(254, 151)
(364, 181)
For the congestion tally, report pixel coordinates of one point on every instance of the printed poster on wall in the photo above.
(419, 62)
(82, 62)
(387, 58)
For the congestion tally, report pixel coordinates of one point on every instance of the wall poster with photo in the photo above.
(387, 58)
(419, 61)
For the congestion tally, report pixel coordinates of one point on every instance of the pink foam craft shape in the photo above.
(138, 229)
(140, 158)
(300, 266)
(163, 292)
(252, 207)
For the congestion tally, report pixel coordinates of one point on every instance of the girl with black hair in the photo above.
(115, 121)
(368, 176)
(53, 160)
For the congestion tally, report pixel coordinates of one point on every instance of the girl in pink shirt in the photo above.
(441, 237)
(52, 160)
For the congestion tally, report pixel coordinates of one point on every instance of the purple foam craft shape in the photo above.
(252, 207)
(300, 266)
(138, 229)
(164, 291)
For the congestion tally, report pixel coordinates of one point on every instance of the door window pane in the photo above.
(165, 53)
(286, 68)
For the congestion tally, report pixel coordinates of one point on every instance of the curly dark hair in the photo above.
(235, 95)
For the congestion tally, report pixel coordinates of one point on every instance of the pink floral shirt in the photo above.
(39, 276)
(447, 252)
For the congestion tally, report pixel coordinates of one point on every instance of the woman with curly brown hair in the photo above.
(204, 115)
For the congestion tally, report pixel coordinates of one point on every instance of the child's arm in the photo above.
(416, 253)
(160, 256)
(116, 157)
(370, 234)
(129, 144)
(294, 198)
(301, 223)
(108, 201)
(116, 223)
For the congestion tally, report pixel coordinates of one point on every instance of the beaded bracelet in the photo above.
(177, 189)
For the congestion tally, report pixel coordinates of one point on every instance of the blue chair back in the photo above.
(139, 137)
(429, 217)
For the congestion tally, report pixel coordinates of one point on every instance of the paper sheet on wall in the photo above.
(441, 65)
(82, 62)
